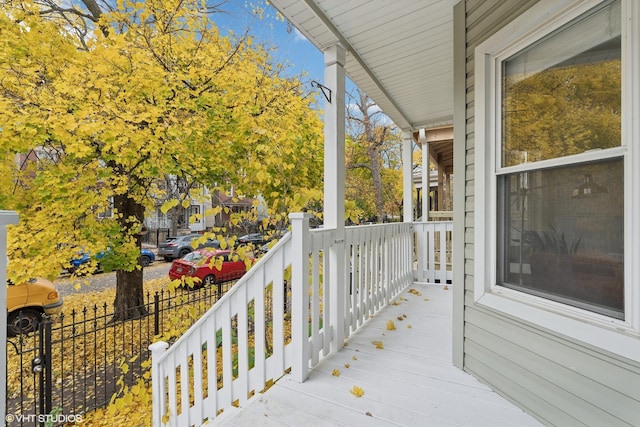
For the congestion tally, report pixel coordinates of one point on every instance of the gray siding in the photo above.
(559, 381)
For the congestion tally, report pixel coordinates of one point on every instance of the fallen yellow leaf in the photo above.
(378, 344)
(357, 391)
(391, 326)
(335, 373)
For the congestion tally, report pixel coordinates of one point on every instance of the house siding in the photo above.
(558, 380)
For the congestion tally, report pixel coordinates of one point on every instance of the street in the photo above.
(104, 281)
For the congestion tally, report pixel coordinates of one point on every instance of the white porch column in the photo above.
(334, 138)
(334, 177)
(6, 218)
(426, 185)
(407, 175)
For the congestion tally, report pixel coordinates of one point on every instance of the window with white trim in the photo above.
(561, 226)
(554, 186)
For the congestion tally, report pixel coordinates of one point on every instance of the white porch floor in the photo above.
(410, 382)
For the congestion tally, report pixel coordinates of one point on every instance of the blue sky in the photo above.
(292, 47)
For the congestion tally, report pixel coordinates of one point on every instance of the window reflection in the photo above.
(562, 96)
(563, 247)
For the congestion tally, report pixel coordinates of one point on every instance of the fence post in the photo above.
(157, 382)
(300, 295)
(6, 218)
(41, 366)
(48, 377)
(156, 314)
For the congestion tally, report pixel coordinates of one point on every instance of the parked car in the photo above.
(27, 302)
(146, 258)
(256, 239)
(179, 246)
(201, 264)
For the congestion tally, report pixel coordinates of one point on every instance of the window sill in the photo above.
(589, 329)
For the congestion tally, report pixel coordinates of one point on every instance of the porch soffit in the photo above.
(399, 52)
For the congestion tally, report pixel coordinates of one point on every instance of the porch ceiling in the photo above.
(399, 52)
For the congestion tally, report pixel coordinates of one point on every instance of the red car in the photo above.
(205, 265)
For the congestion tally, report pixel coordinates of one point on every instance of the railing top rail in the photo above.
(376, 225)
(321, 231)
(418, 223)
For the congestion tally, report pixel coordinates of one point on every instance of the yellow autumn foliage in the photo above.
(153, 90)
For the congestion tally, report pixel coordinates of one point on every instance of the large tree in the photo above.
(373, 158)
(108, 102)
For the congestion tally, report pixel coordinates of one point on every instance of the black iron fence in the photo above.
(79, 361)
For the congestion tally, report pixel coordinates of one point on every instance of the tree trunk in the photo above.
(129, 300)
(374, 165)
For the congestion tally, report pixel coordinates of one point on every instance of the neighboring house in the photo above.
(198, 217)
(229, 204)
(436, 145)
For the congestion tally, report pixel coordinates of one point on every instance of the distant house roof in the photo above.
(226, 200)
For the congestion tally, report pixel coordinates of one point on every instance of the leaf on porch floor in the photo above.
(391, 326)
(426, 299)
(354, 358)
(401, 318)
(409, 326)
(378, 344)
(414, 292)
(357, 391)
(446, 288)
(346, 365)
(395, 303)
(335, 373)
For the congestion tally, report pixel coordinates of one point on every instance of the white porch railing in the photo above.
(295, 306)
(433, 251)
